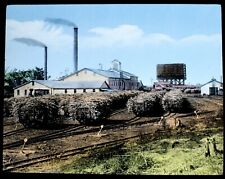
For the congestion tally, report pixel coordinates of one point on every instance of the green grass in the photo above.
(184, 155)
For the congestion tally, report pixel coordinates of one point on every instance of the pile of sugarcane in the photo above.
(175, 101)
(87, 108)
(9, 106)
(146, 104)
(37, 112)
(94, 109)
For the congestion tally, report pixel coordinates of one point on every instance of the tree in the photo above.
(15, 78)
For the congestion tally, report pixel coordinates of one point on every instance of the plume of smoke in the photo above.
(30, 42)
(59, 21)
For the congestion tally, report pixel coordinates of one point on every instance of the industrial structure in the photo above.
(64, 22)
(84, 80)
(173, 76)
(212, 87)
(51, 87)
(75, 49)
(45, 64)
(116, 78)
(172, 73)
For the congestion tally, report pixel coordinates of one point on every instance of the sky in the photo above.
(140, 36)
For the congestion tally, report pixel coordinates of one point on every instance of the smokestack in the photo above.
(33, 42)
(75, 49)
(45, 65)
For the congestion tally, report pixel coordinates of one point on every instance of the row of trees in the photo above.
(16, 77)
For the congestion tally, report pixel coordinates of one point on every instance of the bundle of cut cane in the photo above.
(38, 112)
(96, 109)
(87, 108)
(175, 101)
(9, 105)
(146, 104)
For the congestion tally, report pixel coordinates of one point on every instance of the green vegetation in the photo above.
(14, 78)
(175, 155)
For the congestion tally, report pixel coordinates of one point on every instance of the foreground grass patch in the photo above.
(174, 155)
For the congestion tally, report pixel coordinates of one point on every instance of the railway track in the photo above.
(78, 130)
(7, 167)
(70, 132)
(82, 129)
(13, 132)
(70, 152)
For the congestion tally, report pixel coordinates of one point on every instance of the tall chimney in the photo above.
(45, 65)
(75, 49)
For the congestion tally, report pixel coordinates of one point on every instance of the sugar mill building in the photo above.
(115, 77)
(84, 80)
(45, 87)
(213, 87)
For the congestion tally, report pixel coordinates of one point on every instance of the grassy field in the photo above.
(175, 155)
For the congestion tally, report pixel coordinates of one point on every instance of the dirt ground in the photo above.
(20, 143)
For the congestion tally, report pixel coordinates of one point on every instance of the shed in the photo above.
(213, 87)
(51, 87)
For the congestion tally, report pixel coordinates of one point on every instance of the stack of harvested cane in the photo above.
(38, 112)
(175, 101)
(146, 104)
(87, 108)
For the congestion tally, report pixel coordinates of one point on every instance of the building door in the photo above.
(213, 90)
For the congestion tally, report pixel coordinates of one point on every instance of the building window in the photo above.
(74, 91)
(32, 83)
(76, 74)
(85, 71)
(65, 91)
(18, 92)
(93, 90)
(84, 90)
(25, 92)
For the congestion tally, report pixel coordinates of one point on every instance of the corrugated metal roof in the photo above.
(107, 73)
(212, 80)
(73, 84)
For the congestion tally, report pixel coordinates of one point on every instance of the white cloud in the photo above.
(158, 38)
(132, 35)
(50, 35)
(124, 35)
(201, 38)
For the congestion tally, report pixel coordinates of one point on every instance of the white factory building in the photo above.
(115, 77)
(212, 87)
(84, 80)
(45, 87)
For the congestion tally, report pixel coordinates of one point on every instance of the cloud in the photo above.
(123, 35)
(201, 38)
(157, 39)
(131, 35)
(39, 30)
